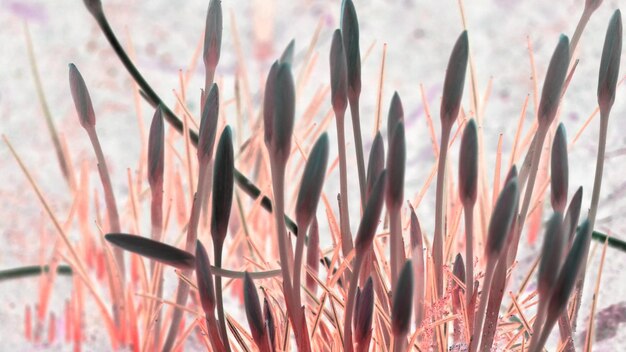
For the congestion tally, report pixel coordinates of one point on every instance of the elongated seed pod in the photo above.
(152, 249)
(208, 124)
(553, 84)
(610, 62)
(338, 74)
(312, 182)
(396, 114)
(550, 255)
(402, 301)
(82, 100)
(213, 35)
(455, 81)
(468, 164)
(396, 164)
(223, 184)
(375, 163)
(156, 149)
(501, 218)
(268, 104)
(253, 311)
(350, 36)
(371, 216)
(571, 216)
(559, 170)
(364, 313)
(284, 113)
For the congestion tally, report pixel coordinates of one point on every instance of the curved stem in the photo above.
(217, 252)
(192, 235)
(344, 214)
(439, 211)
(297, 268)
(478, 323)
(397, 255)
(358, 145)
(347, 317)
(469, 264)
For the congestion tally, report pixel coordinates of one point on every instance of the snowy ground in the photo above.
(419, 36)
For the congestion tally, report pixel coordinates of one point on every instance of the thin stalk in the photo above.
(580, 27)
(156, 215)
(439, 210)
(344, 218)
(348, 346)
(541, 136)
(278, 182)
(469, 264)
(297, 269)
(358, 144)
(109, 197)
(153, 99)
(192, 235)
(397, 255)
(217, 252)
(593, 209)
(478, 323)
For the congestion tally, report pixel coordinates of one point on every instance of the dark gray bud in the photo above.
(402, 301)
(82, 100)
(156, 148)
(375, 163)
(350, 35)
(553, 84)
(253, 310)
(468, 164)
(204, 278)
(396, 114)
(312, 182)
(338, 74)
(371, 216)
(455, 81)
(223, 184)
(609, 64)
(208, 124)
(213, 34)
(559, 170)
(155, 250)
(502, 218)
(396, 165)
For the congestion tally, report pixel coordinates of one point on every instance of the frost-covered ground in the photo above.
(419, 36)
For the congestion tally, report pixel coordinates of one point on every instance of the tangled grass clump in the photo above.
(387, 287)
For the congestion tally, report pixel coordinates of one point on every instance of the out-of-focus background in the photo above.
(418, 34)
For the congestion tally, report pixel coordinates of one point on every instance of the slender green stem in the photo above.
(109, 197)
(344, 214)
(358, 146)
(192, 235)
(540, 138)
(397, 255)
(478, 322)
(347, 318)
(32, 270)
(469, 263)
(439, 211)
(217, 252)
